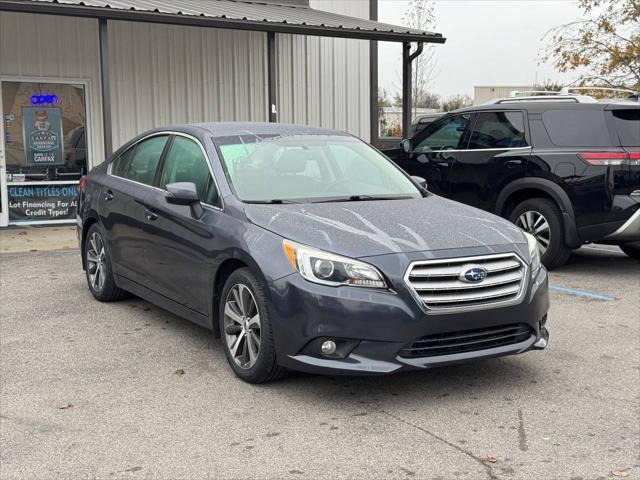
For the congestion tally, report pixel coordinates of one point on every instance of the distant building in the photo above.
(484, 93)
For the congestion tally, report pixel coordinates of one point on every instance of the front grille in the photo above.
(439, 286)
(466, 341)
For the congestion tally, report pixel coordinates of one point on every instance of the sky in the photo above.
(489, 42)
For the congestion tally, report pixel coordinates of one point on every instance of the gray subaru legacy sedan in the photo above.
(307, 249)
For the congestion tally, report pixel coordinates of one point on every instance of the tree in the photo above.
(397, 100)
(420, 15)
(549, 85)
(428, 100)
(383, 98)
(455, 102)
(606, 43)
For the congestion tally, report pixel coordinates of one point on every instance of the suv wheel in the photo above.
(631, 249)
(245, 326)
(98, 267)
(542, 219)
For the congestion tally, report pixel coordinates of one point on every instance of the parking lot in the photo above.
(94, 390)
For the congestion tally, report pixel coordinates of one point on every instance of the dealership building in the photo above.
(80, 78)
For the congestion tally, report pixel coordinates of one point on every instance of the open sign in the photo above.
(47, 99)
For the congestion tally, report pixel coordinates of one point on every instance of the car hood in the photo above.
(367, 228)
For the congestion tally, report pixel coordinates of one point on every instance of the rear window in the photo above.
(627, 124)
(577, 128)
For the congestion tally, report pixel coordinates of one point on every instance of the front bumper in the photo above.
(382, 323)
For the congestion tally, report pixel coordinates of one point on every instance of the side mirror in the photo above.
(420, 181)
(184, 193)
(406, 145)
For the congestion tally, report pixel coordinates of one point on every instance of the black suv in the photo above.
(566, 169)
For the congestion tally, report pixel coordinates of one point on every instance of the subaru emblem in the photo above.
(473, 273)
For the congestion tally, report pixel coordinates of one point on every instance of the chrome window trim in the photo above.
(179, 134)
(485, 306)
(475, 150)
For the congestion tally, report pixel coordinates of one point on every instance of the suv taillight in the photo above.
(83, 182)
(604, 158)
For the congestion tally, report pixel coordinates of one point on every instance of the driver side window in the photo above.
(186, 162)
(448, 134)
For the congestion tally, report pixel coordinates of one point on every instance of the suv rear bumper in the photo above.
(615, 232)
(629, 231)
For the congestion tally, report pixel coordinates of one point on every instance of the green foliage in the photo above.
(455, 102)
(549, 85)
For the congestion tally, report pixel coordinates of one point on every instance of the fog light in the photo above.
(328, 347)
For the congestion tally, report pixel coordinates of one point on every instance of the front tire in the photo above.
(631, 249)
(98, 267)
(542, 218)
(246, 329)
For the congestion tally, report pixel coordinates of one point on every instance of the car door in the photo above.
(180, 243)
(496, 154)
(127, 188)
(433, 151)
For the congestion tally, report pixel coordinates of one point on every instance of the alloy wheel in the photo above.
(242, 326)
(537, 225)
(96, 258)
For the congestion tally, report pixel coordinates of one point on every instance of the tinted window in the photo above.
(627, 124)
(498, 130)
(121, 164)
(186, 163)
(577, 128)
(143, 164)
(445, 135)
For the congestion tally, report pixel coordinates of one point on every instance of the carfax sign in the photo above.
(43, 140)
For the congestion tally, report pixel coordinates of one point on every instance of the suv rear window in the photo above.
(627, 124)
(577, 128)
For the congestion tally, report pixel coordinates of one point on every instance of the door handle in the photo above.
(108, 195)
(512, 163)
(443, 164)
(150, 214)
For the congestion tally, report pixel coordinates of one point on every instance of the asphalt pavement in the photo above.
(127, 390)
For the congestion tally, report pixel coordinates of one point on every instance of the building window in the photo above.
(44, 131)
(45, 143)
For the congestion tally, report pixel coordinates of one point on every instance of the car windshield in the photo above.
(310, 168)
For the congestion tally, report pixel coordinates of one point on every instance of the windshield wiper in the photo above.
(273, 201)
(364, 198)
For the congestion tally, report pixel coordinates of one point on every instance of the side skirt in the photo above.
(162, 301)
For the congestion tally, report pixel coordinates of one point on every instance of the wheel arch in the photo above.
(86, 226)
(525, 188)
(237, 260)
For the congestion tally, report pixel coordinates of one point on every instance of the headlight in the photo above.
(330, 269)
(534, 253)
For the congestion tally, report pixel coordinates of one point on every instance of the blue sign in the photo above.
(43, 140)
(46, 99)
(43, 202)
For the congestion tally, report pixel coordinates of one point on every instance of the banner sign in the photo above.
(43, 140)
(46, 202)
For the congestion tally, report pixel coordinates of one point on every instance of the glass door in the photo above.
(4, 213)
(44, 150)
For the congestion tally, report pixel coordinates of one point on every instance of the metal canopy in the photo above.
(236, 14)
(259, 16)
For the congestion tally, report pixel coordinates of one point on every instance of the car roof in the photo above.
(223, 129)
(541, 105)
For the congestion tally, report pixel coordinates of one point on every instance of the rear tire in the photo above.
(542, 218)
(98, 267)
(246, 329)
(631, 249)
